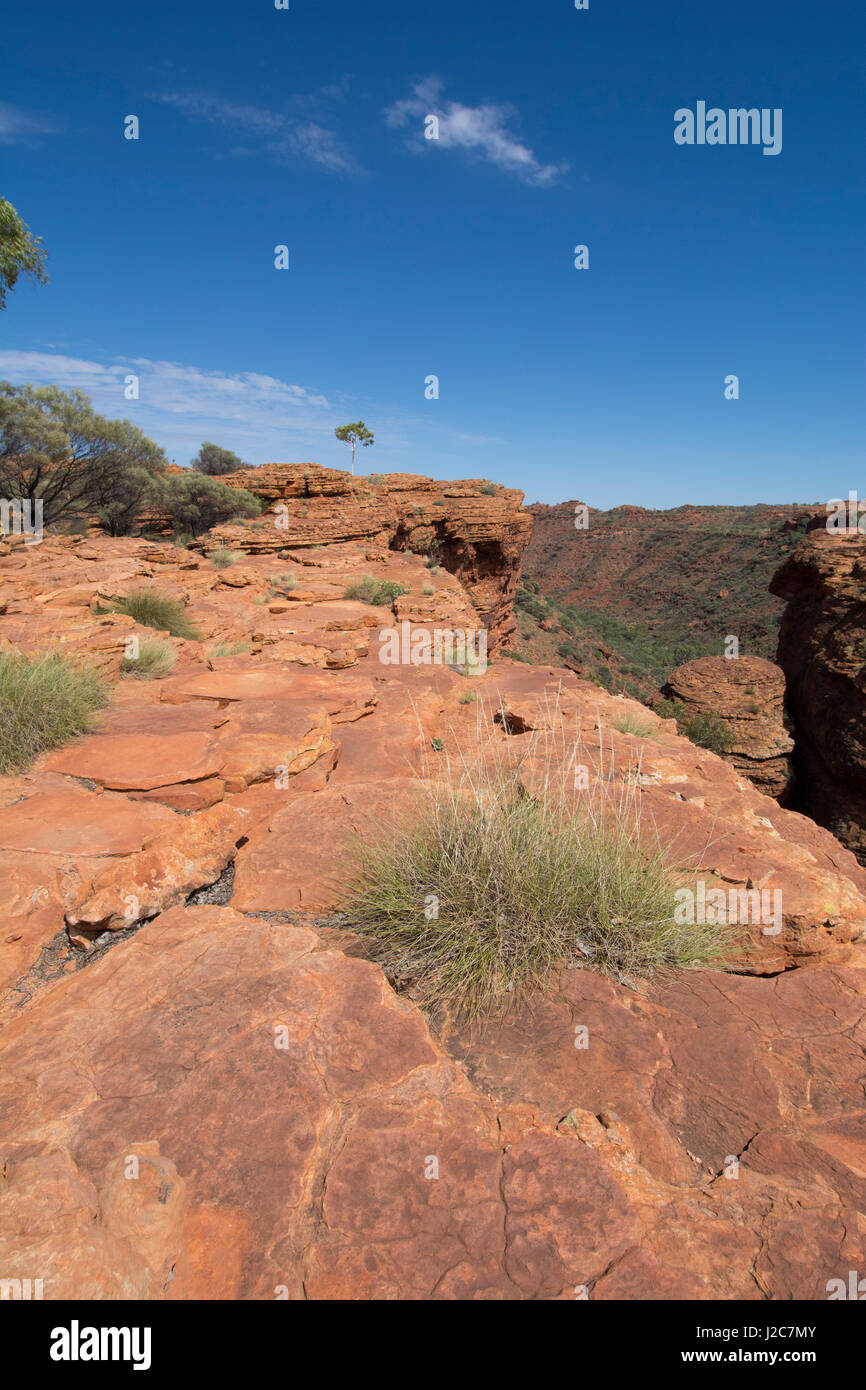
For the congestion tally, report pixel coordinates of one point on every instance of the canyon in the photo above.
(182, 997)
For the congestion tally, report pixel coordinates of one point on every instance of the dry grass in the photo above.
(44, 702)
(525, 875)
(151, 608)
(154, 662)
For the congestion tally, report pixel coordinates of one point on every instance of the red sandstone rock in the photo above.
(821, 650)
(748, 693)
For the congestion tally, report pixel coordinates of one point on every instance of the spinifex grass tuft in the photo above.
(498, 873)
(154, 662)
(151, 608)
(44, 702)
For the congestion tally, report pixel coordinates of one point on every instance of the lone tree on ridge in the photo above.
(356, 433)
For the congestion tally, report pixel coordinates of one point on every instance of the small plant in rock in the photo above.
(709, 731)
(631, 724)
(285, 581)
(151, 608)
(526, 877)
(154, 662)
(379, 592)
(468, 697)
(231, 649)
(671, 709)
(428, 588)
(437, 745)
(44, 702)
(222, 558)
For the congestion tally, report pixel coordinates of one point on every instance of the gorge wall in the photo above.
(822, 650)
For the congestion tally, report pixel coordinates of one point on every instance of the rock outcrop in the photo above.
(476, 532)
(822, 650)
(748, 693)
(210, 1091)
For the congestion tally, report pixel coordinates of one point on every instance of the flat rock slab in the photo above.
(139, 762)
(79, 822)
(298, 861)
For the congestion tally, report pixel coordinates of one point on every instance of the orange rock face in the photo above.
(208, 1091)
(822, 648)
(748, 693)
(477, 536)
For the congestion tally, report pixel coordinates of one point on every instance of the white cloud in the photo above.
(261, 417)
(274, 134)
(482, 130)
(17, 127)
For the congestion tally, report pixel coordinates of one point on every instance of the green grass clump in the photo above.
(489, 488)
(284, 581)
(231, 649)
(522, 884)
(631, 724)
(151, 608)
(709, 731)
(671, 709)
(223, 558)
(468, 697)
(154, 662)
(376, 591)
(44, 702)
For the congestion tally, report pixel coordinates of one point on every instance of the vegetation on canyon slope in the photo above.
(639, 592)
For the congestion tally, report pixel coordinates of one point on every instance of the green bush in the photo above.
(196, 502)
(468, 697)
(285, 581)
(222, 558)
(44, 701)
(632, 724)
(523, 884)
(709, 731)
(154, 662)
(671, 709)
(151, 608)
(489, 488)
(231, 649)
(376, 591)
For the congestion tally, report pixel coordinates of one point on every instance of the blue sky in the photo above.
(411, 257)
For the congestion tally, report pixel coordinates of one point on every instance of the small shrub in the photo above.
(524, 883)
(154, 662)
(671, 709)
(285, 581)
(709, 731)
(437, 745)
(489, 488)
(631, 724)
(233, 649)
(223, 558)
(428, 588)
(376, 591)
(468, 697)
(44, 702)
(436, 569)
(151, 608)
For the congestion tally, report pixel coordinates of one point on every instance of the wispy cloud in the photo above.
(482, 130)
(18, 127)
(260, 417)
(300, 135)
